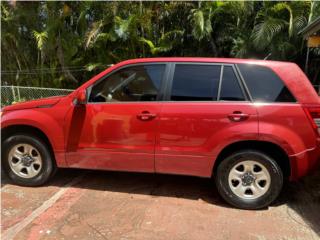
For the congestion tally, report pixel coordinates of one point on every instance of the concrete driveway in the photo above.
(79, 204)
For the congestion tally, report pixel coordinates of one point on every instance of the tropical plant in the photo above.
(63, 44)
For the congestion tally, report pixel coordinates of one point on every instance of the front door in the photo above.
(116, 129)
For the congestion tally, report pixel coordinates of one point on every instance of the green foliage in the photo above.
(41, 38)
(166, 42)
(201, 22)
(65, 43)
(265, 32)
(94, 32)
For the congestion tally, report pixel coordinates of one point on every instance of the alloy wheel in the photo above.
(249, 179)
(25, 160)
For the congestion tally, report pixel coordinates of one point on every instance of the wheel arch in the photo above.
(270, 148)
(26, 129)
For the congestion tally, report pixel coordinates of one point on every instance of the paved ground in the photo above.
(79, 204)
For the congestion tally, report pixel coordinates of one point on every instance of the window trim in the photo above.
(168, 89)
(164, 93)
(220, 83)
(161, 88)
(239, 83)
(242, 83)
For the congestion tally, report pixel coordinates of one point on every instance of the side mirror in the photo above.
(81, 97)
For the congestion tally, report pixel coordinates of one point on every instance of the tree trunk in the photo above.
(316, 74)
(65, 70)
(214, 47)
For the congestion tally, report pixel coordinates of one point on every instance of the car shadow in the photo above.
(176, 186)
(302, 198)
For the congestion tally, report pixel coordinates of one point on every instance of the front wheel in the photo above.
(249, 179)
(27, 160)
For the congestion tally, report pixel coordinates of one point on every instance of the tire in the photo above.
(33, 154)
(255, 188)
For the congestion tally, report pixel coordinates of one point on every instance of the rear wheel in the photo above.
(27, 160)
(249, 179)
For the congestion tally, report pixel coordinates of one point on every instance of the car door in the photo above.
(206, 108)
(116, 128)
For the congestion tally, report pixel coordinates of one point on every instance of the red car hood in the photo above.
(43, 102)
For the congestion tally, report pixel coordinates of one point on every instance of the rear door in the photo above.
(205, 108)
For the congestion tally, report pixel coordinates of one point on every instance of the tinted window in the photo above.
(264, 85)
(195, 82)
(131, 84)
(230, 88)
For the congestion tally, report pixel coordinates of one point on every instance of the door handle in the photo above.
(238, 116)
(146, 116)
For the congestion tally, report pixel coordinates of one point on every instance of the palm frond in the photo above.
(281, 6)
(92, 66)
(166, 41)
(314, 10)
(299, 23)
(122, 26)
(263, 33)
(149, 43)
(6, 15)
(91, 35)
(163, 47)
(105, 36)
(172, 35)
(41, 38)
(240, 48)
(201, 23)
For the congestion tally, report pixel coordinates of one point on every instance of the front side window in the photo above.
(195, 82)
(131, 84)
(264, 85)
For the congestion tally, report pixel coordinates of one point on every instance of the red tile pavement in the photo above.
(110, 205)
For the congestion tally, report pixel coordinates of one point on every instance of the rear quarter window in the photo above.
(264, 85)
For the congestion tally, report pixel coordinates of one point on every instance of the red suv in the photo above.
(250, 124)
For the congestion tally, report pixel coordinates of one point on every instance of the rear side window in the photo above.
(230, 88)
(264, 85)
(195, 82)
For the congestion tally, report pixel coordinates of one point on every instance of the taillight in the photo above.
(313, 114)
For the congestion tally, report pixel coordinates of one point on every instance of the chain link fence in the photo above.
(13, 94)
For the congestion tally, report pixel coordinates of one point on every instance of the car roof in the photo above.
(202, 59)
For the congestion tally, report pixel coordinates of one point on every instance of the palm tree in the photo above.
(64, 43)
(277, 27)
